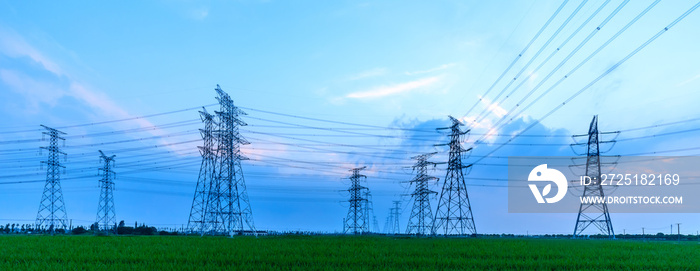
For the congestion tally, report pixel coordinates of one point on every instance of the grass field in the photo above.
(338, 252)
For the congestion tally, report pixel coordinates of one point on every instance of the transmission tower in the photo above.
(52, 210)
(106, 217)
(375, 224)
(420, 221)
(394, 216)
(356, 221)
(196, 221)
(454, 212)
(228, 209)
(368, 210)
(593, 213)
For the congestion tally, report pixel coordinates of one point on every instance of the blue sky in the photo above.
(383, 64)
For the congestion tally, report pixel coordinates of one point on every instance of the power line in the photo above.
(532, 59)
(608, 71)
(520, 54)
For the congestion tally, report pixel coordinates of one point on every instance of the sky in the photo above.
(332, 85)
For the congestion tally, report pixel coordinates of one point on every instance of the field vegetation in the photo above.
(37, 252)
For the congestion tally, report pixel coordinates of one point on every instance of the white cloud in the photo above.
(441, 67)
(394, 89)
(200, 13)
(484, 126)
(13, 45)
(37, 92)
(493, 107)
(368, 73)
(696, 77)
(483, 123)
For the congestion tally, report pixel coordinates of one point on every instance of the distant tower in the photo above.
(106, 217)
(355, 221)
(454, 212)
(421, 219)
(395, 214)
(206, 176)
(368, 210)
(52, 210)
(593, 213)
(375, 224)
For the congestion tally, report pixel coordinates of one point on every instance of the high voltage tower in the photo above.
(106, 217)
(52, 210)
(393, 219)
(454, 212)
(595, 214)
(356, 221)
(368, 210)
(220, 204)
(420, 221)
(206, 174)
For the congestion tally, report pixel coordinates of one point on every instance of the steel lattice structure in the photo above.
(368, 210)
(421, 219)
(593, 213)
(52, 209)
(106, 216)
(206, 174)
(394, 217)
(356, 221)
(220, 204)
(454, 212)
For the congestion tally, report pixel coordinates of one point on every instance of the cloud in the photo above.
(368, 73)
(36, 91)
(200, 13)
(13, 45)
(394, 89)
(441, 67)
(483, 123)
(696, 77)
(493, 107)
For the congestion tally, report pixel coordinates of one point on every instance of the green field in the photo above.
(338, 252)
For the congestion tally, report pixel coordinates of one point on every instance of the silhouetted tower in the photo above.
(595, 214)
(228, 208)
(454, 212)
(355, 221)
(206, 176)
(106, 217)
(375, 224)
(368, 209)
(395, 215)
(421, 219)
(52, 210)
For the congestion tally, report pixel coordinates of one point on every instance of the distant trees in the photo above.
(138, 230)
(79, 230)
(121, 228)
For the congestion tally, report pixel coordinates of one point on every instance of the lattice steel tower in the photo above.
(355, 221)
(394, 217)
(106, 216)
(52, 210)
(196, 222)
(228, 209)
(368, 209)
(421, 219)
(454, 212)
(593, 213)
